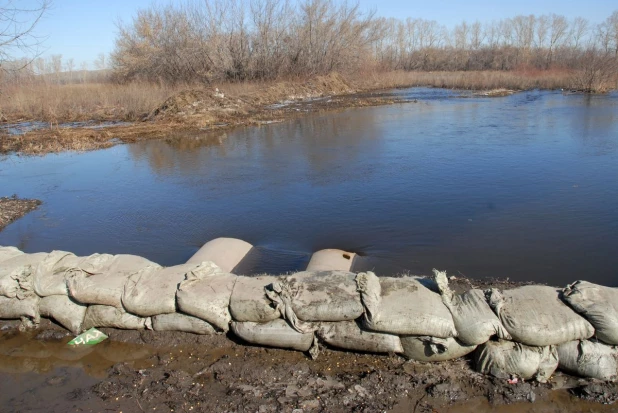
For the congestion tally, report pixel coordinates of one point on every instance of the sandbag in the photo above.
(348, 335)
(249, 301)
(474, 320)
(26, 309)
(599, 305)
(152, 290)
(67, 312)
(107, 316)
(275, 333)
(225, 253)
(429, 349)
(50, 276)
(9, 252)
(504, 359)
(325, 296)
(16, 274)
(535, 315)
(589, 359)
(206, 294)
(181, 322)
(403, 306)
(104, 285)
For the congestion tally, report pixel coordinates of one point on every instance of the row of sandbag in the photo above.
(399, 315)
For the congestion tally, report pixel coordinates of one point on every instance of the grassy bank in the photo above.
(160, 110)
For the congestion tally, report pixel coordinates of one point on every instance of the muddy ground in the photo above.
(139, 371)
(13, 208)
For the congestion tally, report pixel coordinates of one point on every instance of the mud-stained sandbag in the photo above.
(432, 349)
(589, 359)
(107, 316)
(325, 296)
(403, 306)
(348, 335)
(474, 320)
(104, 285)
(16, 274)
(275, 333)
(181, 322)
(26, 309)
(599, 305)
(9, 252)
(249, 301)
(206, 294)
(66, 311)
(50, 276)
(536, 316)
(504, 359)
(152, 291)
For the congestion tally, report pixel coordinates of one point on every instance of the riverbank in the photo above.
(182, 372)
(154, 111)
(12, 208)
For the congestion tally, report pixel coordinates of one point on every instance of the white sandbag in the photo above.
(331, 260)
(16, 274)
(50, 276)
(535, 315)
(474, 320)
(26, 308)
(181, 322)
(206, 294)
(589, 359)
(104, 285)
(152, 291)
(108, 316)
(249, 301)
(504, 359)
(226, 253)
(325, 296)
(9, 252)
(348, 335)
(599, 305)
(403, 306)
(67, 312)
(430, 349)
(274, 334)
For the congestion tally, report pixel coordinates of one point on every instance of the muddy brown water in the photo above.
(524, 186)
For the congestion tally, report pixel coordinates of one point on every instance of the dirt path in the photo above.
(179, 372)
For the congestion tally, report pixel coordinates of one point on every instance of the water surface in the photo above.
(524, 186)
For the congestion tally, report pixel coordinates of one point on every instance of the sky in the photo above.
(82, 29)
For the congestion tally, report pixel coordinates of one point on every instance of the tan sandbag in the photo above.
(26, 308)
(66, 311)
(16, 274)
(104, 285)
(403, 306)
(589, 359)
(206, 294)
(535, 315)
(226, 253)
(249, 302)
(275, 333)
(474, 319)
(107, 316)
(598, 305)
(181, 322)
(152, 291)
(432, 349)
(504, 359)
(9, 252)
(331, 260)
(348, 335)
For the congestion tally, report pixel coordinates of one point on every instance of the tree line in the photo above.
(231, 40)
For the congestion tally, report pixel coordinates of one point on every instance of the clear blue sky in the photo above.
(81, 29)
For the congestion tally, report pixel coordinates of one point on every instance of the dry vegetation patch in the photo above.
(13, 208)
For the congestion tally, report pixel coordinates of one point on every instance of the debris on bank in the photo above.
(13, 208)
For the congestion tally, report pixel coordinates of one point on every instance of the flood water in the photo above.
(524, 186)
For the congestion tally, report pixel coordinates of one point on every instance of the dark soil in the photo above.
(13, 208)
(179, 372)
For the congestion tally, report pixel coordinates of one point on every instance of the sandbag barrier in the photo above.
(526, 332)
